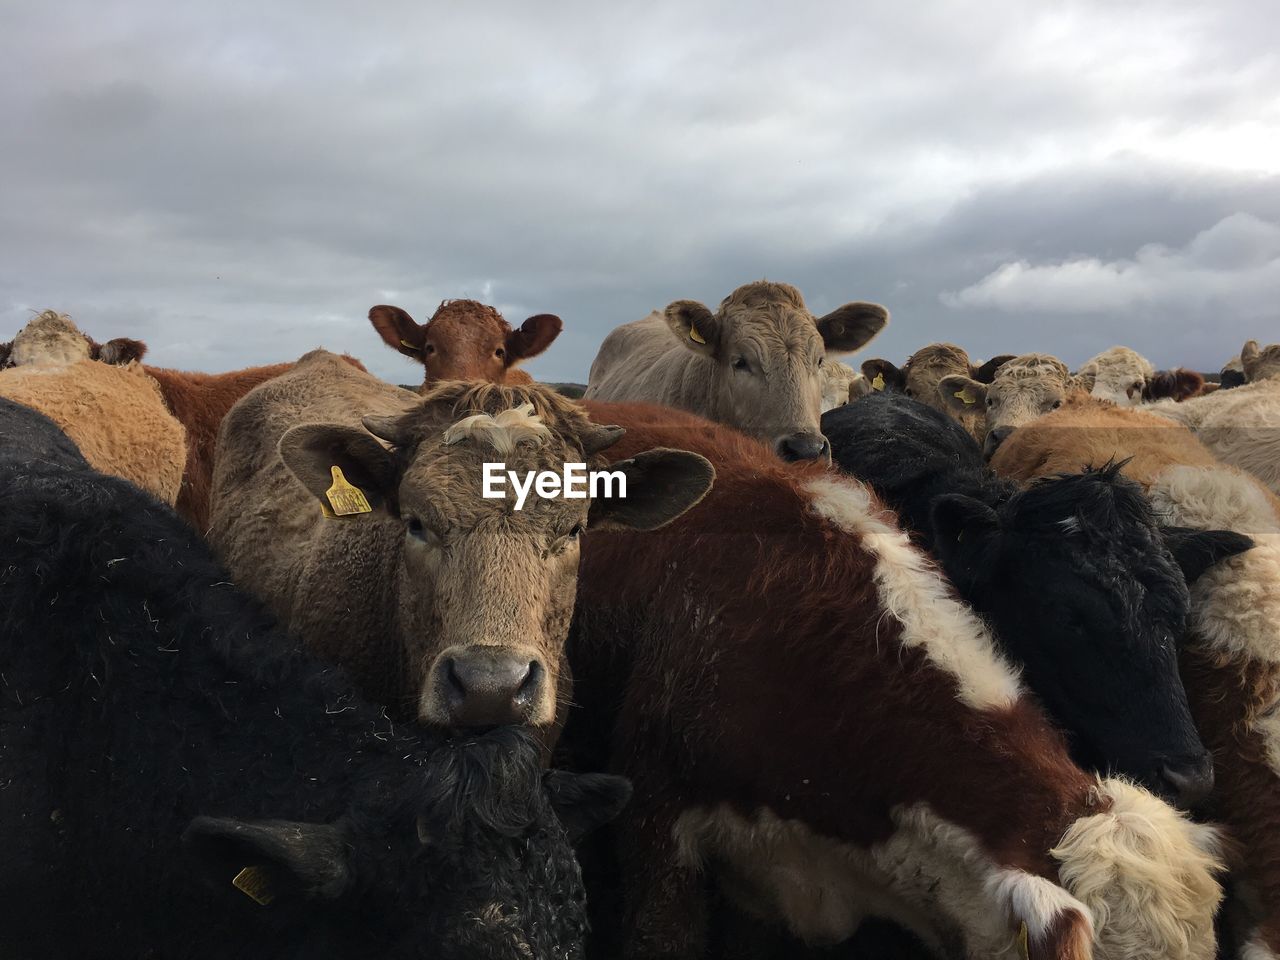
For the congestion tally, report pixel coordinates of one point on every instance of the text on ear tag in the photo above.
(878, 382)
(254, 883)
(344, 498)
(1024, 949)
(694, 335)
(963, 394)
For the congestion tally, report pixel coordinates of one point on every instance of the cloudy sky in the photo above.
(238, 182)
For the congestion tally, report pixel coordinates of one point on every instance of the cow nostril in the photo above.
(455, 688)
(530, 686)
(1187, 783)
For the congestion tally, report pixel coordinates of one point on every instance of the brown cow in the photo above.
(1231, 664)
(115, 415)
(444, 602)
(813, 720)
(466, 340)
(921, 377)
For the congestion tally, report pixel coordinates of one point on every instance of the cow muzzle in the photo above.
(481, 687)
(804, 446)
(995, 437)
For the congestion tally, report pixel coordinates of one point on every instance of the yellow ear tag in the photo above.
(408, 346)
(253, 883)
(344, 498)
(878, 382)
(1024, 949)
(694, 335)
(963, 394)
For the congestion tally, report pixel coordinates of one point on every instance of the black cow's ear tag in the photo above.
(345, 499)
(254, 883)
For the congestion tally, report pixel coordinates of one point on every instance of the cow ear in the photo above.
(694, 325)
(986, 372)
(955, 518)
(1249, 355)
(852, 326)
(119, 351)
(962, 394)
(660, 485)
(6, 350)
(883, 375)
(269, 860)
(313, 450)
(1197, 550)
(399, 331)
(585, 801)
(534, 336)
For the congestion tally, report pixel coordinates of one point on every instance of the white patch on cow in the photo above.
(1147, 874)
(1257, 950)
(1236, 603)
(503, 431)
(914, 592)
(930, 876)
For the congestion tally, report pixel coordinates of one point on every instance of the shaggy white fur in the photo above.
(503, 431)
(914, 592)
(1147, 874)
(1241, 426)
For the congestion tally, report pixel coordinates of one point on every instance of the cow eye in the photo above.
(500, 353)
(909, 392)
(417, 530)
(990, 402)
(577, 531)
(1056, 405)
(429, 349)
(820, 360)
(740, 363)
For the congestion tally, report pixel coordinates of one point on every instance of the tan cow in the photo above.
(1231, 662)
(115, 415)
(841, 384)
(754, 364)
(1022, 389)
(52, 339)
(922, 375)
(465, 340)
(445, 604)
(1240, 426)
(1118, 374)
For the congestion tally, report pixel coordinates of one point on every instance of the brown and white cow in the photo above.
(1021, 390)
(51, 339)
(754, 364)
(813, 721)
(922, 375)
(466, 340)
(1240, 426)
(444, 603)
(114, 414)
(1124, 377)
(1231, 663)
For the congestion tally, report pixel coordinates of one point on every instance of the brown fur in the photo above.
(1226, 694)
(200, 401)
(751, 628)
(114, 414)
(466, 340)
(1178, 384)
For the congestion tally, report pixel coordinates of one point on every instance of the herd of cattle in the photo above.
(946, 660)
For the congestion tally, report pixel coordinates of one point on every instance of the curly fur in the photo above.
(1146, 874)
(1119, 375)
(116, 416)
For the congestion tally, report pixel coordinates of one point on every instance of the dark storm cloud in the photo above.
(239, 182)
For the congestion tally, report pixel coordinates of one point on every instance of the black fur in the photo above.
(1074, 575)
(158, 734)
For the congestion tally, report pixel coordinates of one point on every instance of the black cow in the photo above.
(179, 779)
(1079, 583)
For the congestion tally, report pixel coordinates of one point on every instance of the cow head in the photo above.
(438, 863)
(1118, 375)
(1259, 363)
(484, 591)
(767, 352)
(466, 340)
(52, 339)
(1075, 574)
(1021, 390)
(1176, 384)
(924, 371)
